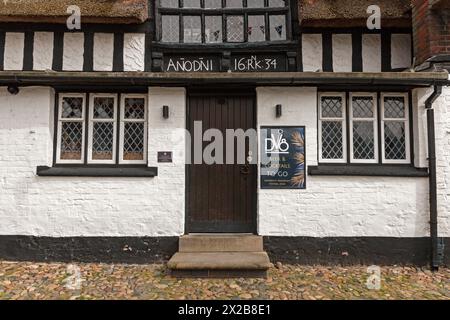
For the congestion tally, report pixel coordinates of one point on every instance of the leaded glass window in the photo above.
(72, 110)
(213, 29)
(256, 28)
(102, 128)
(133, 127)
(217, 21)
(395, 128)
(376, 126)
(91, 122)
(192, 29)
(363, 128)
(332, 127)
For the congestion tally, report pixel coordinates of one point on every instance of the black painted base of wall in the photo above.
(295, 250)
(352, 250)
(88, 249)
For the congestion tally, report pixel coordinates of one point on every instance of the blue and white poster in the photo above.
(282, 158)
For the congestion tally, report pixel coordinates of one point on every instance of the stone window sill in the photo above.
(104, 171)
(367, 170)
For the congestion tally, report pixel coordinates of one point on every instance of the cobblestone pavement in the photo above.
(21, 280)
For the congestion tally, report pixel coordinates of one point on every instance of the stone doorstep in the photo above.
(221, 243)
(225, 261)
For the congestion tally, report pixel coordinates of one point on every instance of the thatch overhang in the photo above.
(353, 13)
(92, 11)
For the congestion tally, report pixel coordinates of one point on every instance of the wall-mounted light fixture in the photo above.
(278, 110)
(166, 112)
(13, 90)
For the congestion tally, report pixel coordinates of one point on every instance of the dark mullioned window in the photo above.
(223, 21)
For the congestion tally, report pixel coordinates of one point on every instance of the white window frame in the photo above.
(91, 127)
(407, 128)
(122, 128)
(374, 120)
(61, 120)
(344, 126)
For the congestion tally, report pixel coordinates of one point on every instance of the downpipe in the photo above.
(437, 251)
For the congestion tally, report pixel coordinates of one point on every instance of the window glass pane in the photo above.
(103, 108)
(277, 27)
(256, 28)
(332, 107)
(133, 143)
(192, 29)
(394, 140)
(363, 140)
(102, 140)
(255, 3)
(192, 3)
(213, 29)
(169, 3)
(72, 107)
(170, 29)
(394, 107)
(134, 108)
(362, 107)
(235, 28)
(213, 4)
(277, 3)
(234, 3)
(71, 140)
(332, 147)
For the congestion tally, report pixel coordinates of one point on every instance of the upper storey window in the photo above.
(223, 21)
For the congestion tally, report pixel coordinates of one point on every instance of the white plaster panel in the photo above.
(14, 50)
(134, 52)
(400, 51)
(103, 51)
(43, 51)
(371, 52)
(342, 52)
(312, 52)
(73, 52)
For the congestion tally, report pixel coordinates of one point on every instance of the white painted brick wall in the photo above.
(330, 206)
(442, 121)
(342, 206)
(63, 206)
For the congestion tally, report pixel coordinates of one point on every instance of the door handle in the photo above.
(245, 169)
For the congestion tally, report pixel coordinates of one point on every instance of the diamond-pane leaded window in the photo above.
(213, 29)
(255, 3)
(102, 128)
(277, 27)
(192, 29)
(71, 140)
(256, 28)
(395, 127)
(96, 129)
(170, 28)
(71, 128)
(217, 21)
(376, 128)
(133, 129)
(363, 124)
(235, 28)
(332, 129)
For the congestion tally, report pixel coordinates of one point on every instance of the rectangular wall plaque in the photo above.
(258, 63)
(191, 64)
(282, 158)
(165, 156)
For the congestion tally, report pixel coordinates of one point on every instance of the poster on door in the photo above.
(282, 157)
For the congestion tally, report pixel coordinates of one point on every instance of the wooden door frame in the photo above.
(216, 91)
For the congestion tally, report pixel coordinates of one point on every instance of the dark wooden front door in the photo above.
(221, 197)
